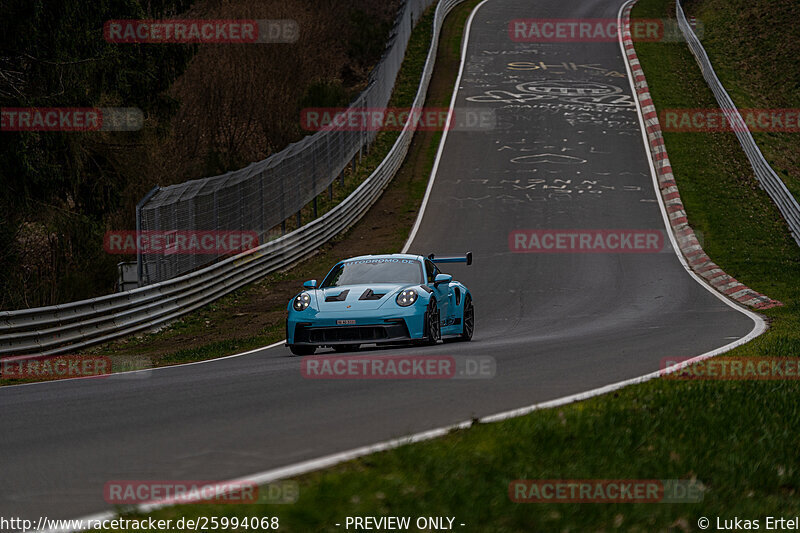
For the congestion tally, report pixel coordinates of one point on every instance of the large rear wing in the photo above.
(467, 258)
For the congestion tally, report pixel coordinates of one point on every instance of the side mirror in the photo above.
(310, 284)
(442, 278)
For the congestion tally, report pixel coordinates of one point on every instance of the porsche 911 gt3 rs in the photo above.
(381, 299)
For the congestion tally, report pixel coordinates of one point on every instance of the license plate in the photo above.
(345, 322)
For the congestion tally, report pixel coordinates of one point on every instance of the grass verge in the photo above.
(738, 438)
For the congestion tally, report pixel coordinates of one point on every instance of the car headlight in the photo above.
(301, 301)
(406, 297)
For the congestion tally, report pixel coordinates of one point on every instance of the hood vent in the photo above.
(342, 296)
(369, 295)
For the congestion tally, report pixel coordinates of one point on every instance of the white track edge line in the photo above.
(440, 150)
(115, 374)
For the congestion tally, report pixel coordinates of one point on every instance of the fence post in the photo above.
(264, 232)
(139, 265)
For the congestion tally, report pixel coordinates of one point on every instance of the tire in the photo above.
(346, 348)
(468, 321)
(302, 350)
(433, 328)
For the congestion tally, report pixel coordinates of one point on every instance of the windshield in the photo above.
(386, 270)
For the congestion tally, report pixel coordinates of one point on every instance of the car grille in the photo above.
(351, 334)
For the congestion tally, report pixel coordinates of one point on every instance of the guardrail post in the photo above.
(315, 207)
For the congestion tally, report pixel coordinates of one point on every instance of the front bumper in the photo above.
(322, 329)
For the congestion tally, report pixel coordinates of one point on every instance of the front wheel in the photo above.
(468, 322)
(433, 331)
(302, 350)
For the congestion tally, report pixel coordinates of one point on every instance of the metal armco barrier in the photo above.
(76, 325)
(772, 183)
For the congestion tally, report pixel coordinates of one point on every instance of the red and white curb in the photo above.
(697, 259)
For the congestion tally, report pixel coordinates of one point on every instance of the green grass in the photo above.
(753, 46)
(748, 469)
(739, 439)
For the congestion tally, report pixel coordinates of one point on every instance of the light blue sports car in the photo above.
(381, 299)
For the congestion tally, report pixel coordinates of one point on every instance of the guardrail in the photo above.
(76, 325)
(770, 181)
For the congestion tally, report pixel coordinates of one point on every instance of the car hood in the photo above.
(333, 298)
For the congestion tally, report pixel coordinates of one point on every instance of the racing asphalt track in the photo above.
(557, 324)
